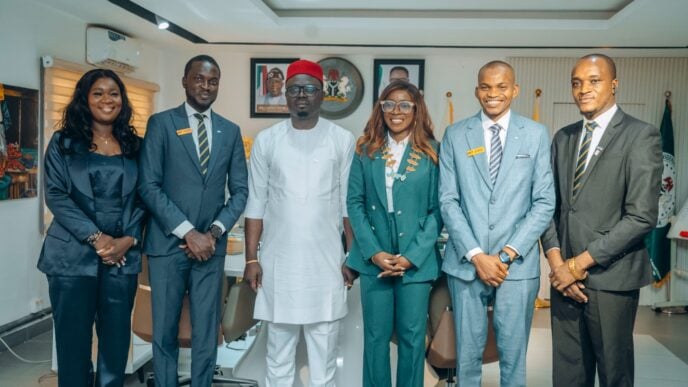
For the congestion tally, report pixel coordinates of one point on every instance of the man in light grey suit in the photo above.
(607, 171)
(496, 197)
(190, 155)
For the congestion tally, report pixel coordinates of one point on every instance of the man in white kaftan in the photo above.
(297, 208)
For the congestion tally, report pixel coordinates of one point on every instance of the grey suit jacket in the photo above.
(615, 207)
(173, 188)
(514, 211)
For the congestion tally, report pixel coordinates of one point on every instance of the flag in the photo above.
(536, 105)
(656, 241)
(449, 110)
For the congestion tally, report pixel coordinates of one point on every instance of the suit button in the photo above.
(492, 227)
(492, 201)
(372, 228)
(572, 210)
(372, 207)
(399, 212)
(401, 234)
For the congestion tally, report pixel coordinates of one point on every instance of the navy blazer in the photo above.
(173, 188)
(69, 196)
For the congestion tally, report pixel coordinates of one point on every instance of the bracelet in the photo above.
(251, 261)
(571, 262)
(93, 238)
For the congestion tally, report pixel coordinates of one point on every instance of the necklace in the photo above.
(412, 162)
(105, 139)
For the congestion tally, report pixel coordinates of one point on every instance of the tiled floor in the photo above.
(661, 348)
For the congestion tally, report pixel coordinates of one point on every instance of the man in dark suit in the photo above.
(607, 170)
(189, 155)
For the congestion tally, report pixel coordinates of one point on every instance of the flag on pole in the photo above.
(536, 105)
(656, 241)
(449, 110)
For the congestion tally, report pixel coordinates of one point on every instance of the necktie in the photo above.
(203, 149)
(495, 152)
(583, 156)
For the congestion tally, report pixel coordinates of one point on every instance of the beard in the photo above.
(302, 114)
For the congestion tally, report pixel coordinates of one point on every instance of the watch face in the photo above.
(504, 257)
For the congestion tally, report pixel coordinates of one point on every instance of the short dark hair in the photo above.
(402, 68)
(606, 59)
(496, 63)
(200, 58)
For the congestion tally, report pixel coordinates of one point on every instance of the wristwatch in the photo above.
(504, 257)
(215, 231)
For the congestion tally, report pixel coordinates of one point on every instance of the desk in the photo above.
(234, 265)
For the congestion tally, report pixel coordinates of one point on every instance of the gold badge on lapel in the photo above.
(182, 132)
(475, 151)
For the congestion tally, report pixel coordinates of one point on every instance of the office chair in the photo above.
(142, 326)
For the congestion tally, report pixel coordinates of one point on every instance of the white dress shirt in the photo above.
(396, 150)
(487, 133)
(602, 122)
(186, 226)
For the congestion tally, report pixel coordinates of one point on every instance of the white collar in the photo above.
(603, 119)
(503, 121)
(190, 111)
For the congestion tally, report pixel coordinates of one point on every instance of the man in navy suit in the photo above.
(496, 198)
(189, 156)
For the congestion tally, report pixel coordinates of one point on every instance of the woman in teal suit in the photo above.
(393, 209)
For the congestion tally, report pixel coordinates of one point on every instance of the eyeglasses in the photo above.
(405, 107)
(308, 90)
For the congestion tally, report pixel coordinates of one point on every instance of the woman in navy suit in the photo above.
(90, 253)
(394, 213)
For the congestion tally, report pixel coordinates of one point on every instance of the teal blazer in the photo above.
(416, 207)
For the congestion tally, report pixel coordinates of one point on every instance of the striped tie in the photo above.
(203, 149)
(583, 156)
(495, 152)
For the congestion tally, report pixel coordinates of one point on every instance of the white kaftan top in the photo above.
(297, 186)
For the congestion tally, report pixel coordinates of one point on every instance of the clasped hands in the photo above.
(198, 246)
(490, 269)
(112, 250)
(391, 265)
(566, 279)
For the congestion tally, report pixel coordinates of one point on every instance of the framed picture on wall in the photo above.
(387, 70)
(268, 86)
(18, 142)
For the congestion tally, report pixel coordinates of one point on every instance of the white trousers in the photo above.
(321, 345)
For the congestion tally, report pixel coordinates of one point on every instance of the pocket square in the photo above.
(523, 156)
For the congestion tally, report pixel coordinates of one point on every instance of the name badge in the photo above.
(475, 151)
(182, 132)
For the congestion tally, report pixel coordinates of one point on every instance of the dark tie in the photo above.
(583, 156)
(495, 152)
(203, 149)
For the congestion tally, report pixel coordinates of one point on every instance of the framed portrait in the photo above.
(268, 77)
(342, 88)
(18, 142)
(386, 70)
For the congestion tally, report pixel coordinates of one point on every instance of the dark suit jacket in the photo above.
(173, 188)
(417, 213)
(69, 196)
(615, 207)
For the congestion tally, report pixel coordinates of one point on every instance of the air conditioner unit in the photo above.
(110, 49)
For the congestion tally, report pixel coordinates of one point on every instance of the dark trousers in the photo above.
(593, 336)
(170, 278)
(77, 303)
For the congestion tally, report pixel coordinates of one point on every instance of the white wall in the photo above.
(28, 31)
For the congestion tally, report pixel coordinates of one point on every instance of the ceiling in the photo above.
(651, 24)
